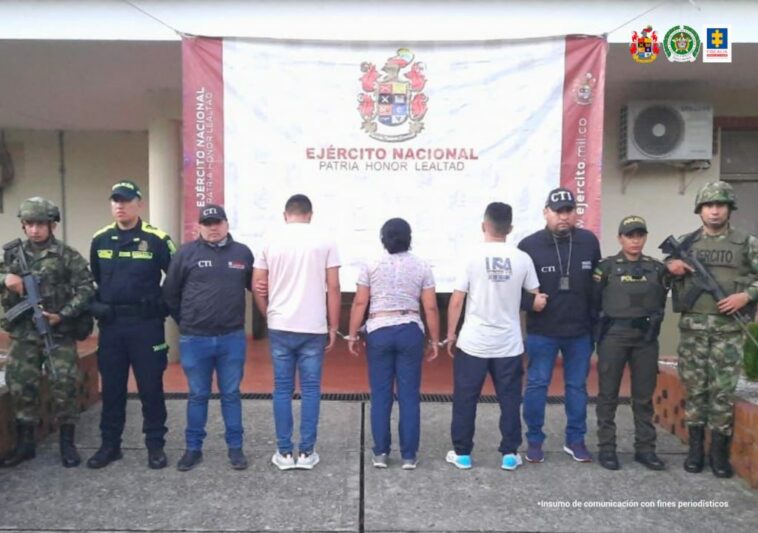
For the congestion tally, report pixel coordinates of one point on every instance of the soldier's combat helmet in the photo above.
(38, 209)
(715, 191)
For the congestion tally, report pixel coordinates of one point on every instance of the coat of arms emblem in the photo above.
(392, 104)
(583, 88)
(645, 47)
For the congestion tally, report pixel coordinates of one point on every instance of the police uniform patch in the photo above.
(143, 246)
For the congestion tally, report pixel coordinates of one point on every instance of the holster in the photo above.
(654, 327)
(602, 327)
(103, 312)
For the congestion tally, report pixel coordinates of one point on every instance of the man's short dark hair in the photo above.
(298, 204)
(396, 235)
(500, 215)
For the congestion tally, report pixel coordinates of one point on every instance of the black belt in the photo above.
(641, 323)
(127, 310)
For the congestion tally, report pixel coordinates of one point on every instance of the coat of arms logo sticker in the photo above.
(583, 88)
(645, 47)
(392, 103)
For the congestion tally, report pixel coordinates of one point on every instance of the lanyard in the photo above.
(560, 260)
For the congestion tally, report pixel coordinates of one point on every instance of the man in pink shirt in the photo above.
(300, 269)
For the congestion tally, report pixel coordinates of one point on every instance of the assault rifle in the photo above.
(33, 301)
(704, 281)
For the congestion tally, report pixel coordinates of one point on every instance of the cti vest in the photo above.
(725, 260)
(633, 289)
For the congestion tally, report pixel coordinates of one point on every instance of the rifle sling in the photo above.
(17, 310)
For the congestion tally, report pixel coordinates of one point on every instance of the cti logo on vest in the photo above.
(205, 263)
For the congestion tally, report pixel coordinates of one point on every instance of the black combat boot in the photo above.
(696, 456)
(24, 449)
(69, 456)
(719, 455)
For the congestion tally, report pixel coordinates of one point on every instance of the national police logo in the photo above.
(143, 246)
(681, 44)
(392, 104)
(645, 47)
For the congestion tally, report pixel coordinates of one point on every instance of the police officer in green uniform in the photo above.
(66, 288)
(630, 290)
(711, 341)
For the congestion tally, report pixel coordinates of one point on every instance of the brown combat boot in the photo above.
(25, 448)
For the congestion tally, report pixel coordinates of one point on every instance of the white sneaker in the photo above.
(511, 461)
(409, 464)
(307, 462)
(283, 462)
(380, 461)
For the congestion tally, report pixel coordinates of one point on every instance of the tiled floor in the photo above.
(345, 373)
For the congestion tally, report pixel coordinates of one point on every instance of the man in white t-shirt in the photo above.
(296, 277)
(490, 340)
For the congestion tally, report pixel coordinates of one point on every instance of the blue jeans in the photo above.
(542, 351)
(303, 352)
(395, 353)
(200, 355)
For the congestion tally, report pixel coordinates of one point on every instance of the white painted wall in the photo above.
(94, 160)
(653, 192)
(375, 20)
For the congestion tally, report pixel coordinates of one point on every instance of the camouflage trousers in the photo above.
(23, 375)
(709, 367)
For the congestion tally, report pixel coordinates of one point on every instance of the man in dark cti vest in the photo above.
(710, 346)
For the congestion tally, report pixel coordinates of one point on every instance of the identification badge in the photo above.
(564, 284)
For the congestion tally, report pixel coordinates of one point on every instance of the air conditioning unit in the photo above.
(666, 130)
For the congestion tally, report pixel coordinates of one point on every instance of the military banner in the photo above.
(431, 132)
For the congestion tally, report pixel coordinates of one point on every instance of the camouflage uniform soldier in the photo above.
(710, 345)
(630, 290)
(66, 288)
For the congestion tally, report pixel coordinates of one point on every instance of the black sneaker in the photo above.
(156, 458)
(650, 460)
(189, 460)
(104, 456)
(237, 458)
